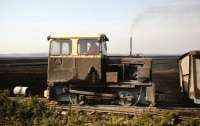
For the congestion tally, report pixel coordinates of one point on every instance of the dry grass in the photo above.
(35, 112)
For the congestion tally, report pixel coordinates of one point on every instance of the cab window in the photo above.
(61, 47)
(88, 47)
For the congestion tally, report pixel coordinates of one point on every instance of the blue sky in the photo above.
(64, 10)
(158, 26)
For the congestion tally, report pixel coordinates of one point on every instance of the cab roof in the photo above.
(193, 52)
(82, 36)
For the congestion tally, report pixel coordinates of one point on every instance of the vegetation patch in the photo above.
(35, 112)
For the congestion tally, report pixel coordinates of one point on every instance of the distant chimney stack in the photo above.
(131, 53)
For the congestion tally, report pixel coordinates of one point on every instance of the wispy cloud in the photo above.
(170, 26)
(174, 9)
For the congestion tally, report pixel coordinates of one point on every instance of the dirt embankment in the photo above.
(30, 72)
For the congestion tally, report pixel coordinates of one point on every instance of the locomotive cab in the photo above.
(75, 60)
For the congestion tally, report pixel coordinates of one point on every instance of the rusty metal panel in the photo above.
(184, 71)
(111, 77)
(86, 65)
(188, 68)
(143, 73)
(146, 62)
(192, 78)
(150, 94)
(185, 62)
(64, 69)
(129, 68)
(61, 69)
(197, 65)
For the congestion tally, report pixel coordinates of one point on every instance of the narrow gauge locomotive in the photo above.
(80, 70)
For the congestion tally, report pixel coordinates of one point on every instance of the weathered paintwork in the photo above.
(92, 74)
(189, 75)
(141, 67)
(73, 68)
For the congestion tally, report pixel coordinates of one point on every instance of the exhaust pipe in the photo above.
(131, 53)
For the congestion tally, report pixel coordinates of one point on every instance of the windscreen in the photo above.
(88, 47)
(198, 72)
(61, 47)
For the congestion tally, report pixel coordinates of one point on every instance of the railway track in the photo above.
(105, 109)
(184, 113)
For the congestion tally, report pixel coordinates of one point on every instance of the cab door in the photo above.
(61, 66)
(88, 60)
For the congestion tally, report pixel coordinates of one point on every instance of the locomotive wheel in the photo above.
(126, 98)
(77, 99)
(73, 99)
(81, 99)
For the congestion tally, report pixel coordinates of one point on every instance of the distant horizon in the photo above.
(110, 54)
